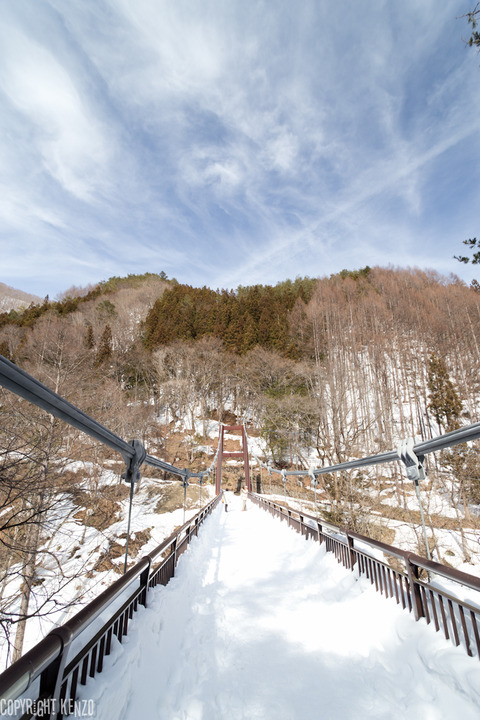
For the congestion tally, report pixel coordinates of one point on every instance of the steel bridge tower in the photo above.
(241, 454)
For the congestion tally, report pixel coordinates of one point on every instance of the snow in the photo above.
(261, 624)
(78, 584)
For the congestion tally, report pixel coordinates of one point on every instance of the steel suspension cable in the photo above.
(450, 439)
(21, 383)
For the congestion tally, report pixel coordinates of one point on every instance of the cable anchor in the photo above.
(132, 473)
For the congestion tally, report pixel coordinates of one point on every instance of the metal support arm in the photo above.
(132, 473)
(414, 465)
(132, 476)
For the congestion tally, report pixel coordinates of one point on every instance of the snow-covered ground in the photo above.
(77, 549)
(260, 624)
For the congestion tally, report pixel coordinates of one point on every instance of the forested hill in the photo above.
(293, 318)
(251, 316)
(345, 362)
(73, 298)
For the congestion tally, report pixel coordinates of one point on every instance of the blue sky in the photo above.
(236, 142)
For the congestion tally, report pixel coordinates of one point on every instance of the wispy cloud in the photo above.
(228, 143)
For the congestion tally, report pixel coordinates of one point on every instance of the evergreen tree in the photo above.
(105, 348)
(444, 401)
(89, 341)
(5, 350)
(253, 315)
(250, 335)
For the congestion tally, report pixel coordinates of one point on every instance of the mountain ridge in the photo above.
(14, 299)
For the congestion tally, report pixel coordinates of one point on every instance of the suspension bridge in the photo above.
(245, 584)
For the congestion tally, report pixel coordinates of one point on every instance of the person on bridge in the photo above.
(225, 500)
(243, 495)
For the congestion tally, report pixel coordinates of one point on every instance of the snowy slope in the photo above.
(13, 299)
(78, 549)
(261, 624)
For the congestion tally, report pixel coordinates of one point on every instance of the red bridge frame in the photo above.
(222, 454)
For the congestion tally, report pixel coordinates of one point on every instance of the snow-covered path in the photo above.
(259, 624)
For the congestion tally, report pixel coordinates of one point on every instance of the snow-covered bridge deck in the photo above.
(260, 623)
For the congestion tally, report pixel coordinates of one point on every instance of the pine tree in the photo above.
(444, 401)
(5, 350)
(250, 334)
(89, 340)
(105, 348)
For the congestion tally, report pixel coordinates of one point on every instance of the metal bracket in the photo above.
(132, 473)
(185, 485)
(284, 480)
(314, 484)
(416, 472)
(132, 476)
(413, 463)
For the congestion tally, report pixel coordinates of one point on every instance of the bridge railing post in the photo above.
(144, 582)
(320, 532)
(51, 678)
(351, 550)
(412, 572)
(284, 482)
(174, 554)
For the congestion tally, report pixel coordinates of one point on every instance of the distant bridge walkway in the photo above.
(259, 623)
